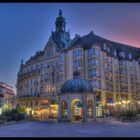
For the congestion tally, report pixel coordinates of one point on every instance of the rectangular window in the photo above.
(104, 46)
(108, 49)
(77, 53)
(77, 63)
(49, 53)
(115, 61)
(96, 83)
(122, 54)
(130, 56)
(94, 73)
(105, 57)
(90, 52)
(61, 58)
(93, 51)
(61, 77)
(122, 62)
(61, 68)
(115, 53)
(93, 62)
(97, 52)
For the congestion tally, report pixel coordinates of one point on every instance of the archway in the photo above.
(90, 108)
(64, 109)
(53, 109)
(76, 110)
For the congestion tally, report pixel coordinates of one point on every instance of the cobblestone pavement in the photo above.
(102, 128)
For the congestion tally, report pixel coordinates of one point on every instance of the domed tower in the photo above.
(60, 22)
(60, 36)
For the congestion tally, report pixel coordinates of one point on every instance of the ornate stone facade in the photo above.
(113, 69)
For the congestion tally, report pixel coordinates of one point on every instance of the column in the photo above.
(103, 97)
(130, 100)
(69, 110)
(84, 108)
(114, 97)
(59, 110)
(94, 107)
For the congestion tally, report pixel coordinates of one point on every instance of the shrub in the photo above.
(138, 111)
(12, 115)
(22, 116)
(21, 109)
(3, 118)
(128, 113)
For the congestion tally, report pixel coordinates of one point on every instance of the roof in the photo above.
(35, 57)
(76, 86)
(88, 40)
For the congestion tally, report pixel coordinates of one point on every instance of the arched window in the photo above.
(90, 108)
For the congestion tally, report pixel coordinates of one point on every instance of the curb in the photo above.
(13, 122)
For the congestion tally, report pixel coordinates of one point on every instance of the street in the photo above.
(65, 129)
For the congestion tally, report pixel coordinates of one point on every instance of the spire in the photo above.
(60, 13)
(21, 62)
(60, 23)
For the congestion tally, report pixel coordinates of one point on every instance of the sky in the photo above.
(26, 27)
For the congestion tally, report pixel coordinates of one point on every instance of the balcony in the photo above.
(28, 74)
(28, 96)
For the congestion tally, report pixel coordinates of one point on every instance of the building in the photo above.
(6, 96)
(112, 68)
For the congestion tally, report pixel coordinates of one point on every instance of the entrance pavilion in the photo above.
(76, 100)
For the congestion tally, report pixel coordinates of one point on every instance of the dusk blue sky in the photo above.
(25, 28)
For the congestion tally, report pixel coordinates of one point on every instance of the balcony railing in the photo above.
(29, 73)
(28, 96)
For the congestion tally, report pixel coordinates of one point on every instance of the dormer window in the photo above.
(130, 56)
(49, 52)
(122, 54)
(115, 53)
(93, 51)
(108, 49)
(105, 46)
